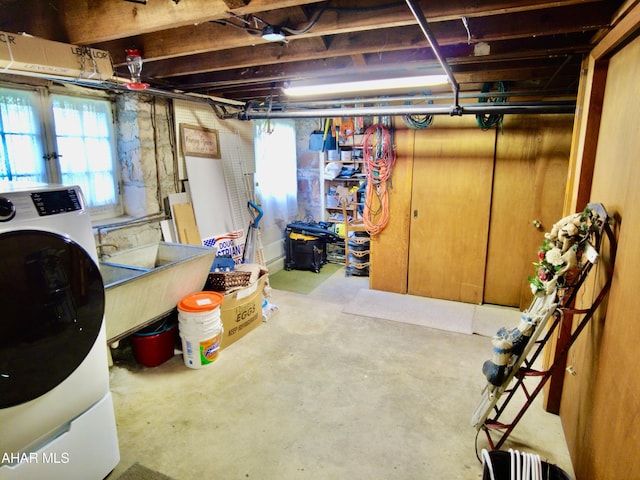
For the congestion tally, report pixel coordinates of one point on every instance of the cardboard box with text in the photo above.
(24, 53)
(241, 311)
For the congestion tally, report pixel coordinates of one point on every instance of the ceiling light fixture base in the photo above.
(273, 34)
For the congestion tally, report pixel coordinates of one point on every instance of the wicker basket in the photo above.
(221, 281)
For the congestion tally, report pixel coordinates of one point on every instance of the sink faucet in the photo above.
(100, 248)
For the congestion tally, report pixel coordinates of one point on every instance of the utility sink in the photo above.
(156, 255)
(146, 283)
(114, 274)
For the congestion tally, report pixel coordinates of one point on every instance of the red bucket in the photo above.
(154, 348)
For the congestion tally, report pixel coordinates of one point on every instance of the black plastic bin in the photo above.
(305, 252)
(305, 245)
(501, 462)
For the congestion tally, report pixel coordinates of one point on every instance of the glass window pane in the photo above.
(84, 137)
(21, 153)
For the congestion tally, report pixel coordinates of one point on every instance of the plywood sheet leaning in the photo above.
(186, 226)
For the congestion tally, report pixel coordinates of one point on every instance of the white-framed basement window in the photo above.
(64, 139)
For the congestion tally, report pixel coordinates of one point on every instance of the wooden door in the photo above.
(390, 248)
(450, 205)
(601, 401)
(532, 158)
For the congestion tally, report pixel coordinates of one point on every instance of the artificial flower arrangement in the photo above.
(558, 262)
(560, 253)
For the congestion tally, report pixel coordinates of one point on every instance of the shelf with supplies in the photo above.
(353, 250)
(356, 243)
(344, 179)
(343, 184)
(338, 194)
(353, 211)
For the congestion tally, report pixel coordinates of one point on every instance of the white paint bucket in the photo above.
(200, 328)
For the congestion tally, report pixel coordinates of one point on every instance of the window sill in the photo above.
(116, 223)
(111, 222)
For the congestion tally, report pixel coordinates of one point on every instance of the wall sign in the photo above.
(199, 141)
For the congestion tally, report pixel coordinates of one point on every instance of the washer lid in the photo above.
(52, 301)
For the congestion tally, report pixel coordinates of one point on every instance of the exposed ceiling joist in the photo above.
(215, 46)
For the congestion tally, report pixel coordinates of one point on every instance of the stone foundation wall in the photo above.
(146, 155)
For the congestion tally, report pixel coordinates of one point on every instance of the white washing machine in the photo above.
(56, 413)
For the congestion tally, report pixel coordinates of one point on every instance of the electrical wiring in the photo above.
(379, 158)
(246, 24)
(312, 22)
(250, 23)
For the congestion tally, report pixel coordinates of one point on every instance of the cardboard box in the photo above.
(241, 311)
(25, 53)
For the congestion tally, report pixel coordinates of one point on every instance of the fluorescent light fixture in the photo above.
(365, 85)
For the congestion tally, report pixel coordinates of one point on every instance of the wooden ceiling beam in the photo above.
(89, 22)
(524, 78)
(374, 41)
(204, 36)
(193, 44)
(325, 66)
(344, 66)
(198, 38)
(235, 4)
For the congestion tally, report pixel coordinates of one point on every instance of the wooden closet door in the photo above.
(532, 158)
(450, 205)
(390, 249)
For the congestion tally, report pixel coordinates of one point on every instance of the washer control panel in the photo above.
(23, 205)
(53, 202)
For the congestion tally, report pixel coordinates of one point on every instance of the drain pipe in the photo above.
(422, 21)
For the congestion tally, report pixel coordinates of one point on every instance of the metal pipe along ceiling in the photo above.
(422, 97)
(311, 110)
(424, 26)
(471, 109)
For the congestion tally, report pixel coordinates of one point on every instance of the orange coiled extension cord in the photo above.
(379, 157)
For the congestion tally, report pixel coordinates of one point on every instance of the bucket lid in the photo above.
(201, 302)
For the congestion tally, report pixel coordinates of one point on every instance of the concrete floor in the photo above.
(318, 394)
